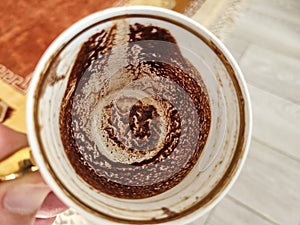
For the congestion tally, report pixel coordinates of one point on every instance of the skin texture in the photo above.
(27, 200)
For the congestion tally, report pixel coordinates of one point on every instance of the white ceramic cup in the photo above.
(225, 150)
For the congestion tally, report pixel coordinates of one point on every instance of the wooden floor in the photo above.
(266, 43)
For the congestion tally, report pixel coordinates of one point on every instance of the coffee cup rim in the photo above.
(128, 10)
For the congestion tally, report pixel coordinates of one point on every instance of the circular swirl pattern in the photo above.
(136, 114)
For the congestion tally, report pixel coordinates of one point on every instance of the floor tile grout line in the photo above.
(250, 83)
(275, 149)
(271, 93)
(237, 34)
(232, 36)
(210, 214)
(272, 17)
(274, 51)
(241, 204)
(243, 54)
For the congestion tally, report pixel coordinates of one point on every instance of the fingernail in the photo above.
(25, 199)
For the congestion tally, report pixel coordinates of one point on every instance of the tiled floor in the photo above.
(266, 43)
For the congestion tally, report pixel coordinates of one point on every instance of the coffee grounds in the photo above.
(135, 115)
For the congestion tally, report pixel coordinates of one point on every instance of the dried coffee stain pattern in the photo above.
(168, 212)
(134, 120)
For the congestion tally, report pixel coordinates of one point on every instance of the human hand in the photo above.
(27, 200)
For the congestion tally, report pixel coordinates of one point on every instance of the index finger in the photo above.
(10, 141)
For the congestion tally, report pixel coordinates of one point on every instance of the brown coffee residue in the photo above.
(135, 115)
(168, 212)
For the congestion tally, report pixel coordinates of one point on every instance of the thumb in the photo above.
(10, 141)
(21, 199)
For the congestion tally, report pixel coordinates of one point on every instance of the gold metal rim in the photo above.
(17, 165)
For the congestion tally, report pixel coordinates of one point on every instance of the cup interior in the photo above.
(226, 145)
